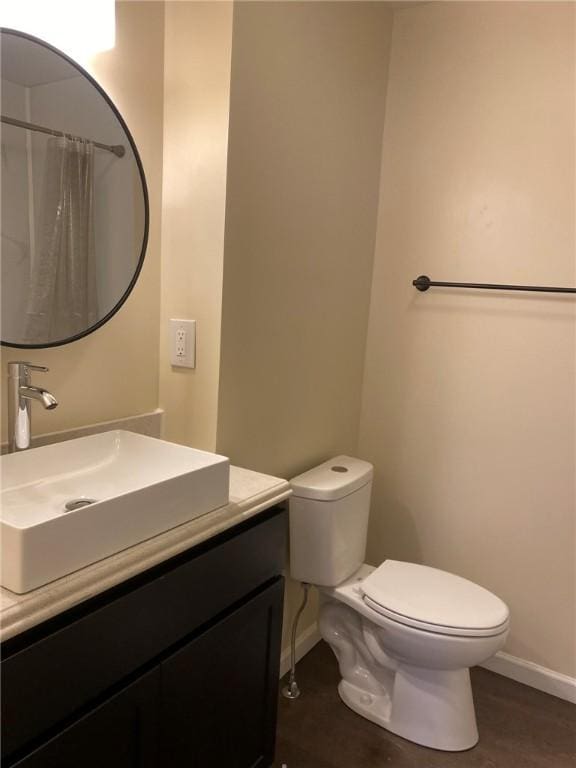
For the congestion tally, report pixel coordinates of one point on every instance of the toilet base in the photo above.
(383, 679)
(433, 708)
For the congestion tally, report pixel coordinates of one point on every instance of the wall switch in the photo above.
(183, 343)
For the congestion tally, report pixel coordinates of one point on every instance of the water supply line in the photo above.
(291, 691)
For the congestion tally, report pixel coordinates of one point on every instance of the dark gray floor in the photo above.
(519, 727)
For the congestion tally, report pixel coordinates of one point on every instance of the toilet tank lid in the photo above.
(333, 479)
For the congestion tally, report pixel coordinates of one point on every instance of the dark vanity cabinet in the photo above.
(120, 732)
(176, 668)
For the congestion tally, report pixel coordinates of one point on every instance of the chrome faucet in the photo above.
(20, 396)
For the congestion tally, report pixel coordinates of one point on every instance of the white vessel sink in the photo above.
(67, 505)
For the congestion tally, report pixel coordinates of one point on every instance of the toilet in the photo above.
(405, 635)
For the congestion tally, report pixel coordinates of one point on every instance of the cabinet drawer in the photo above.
(49, 680)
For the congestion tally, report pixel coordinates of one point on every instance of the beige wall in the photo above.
(307, 107)
(196, 111)
(469, 398)
(114, 371)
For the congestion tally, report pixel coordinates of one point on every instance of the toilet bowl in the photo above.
(411, 680)
(405, 635)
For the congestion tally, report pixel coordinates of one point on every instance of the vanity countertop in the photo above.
(250, 493)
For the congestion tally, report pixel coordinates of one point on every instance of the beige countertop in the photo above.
(250, 493)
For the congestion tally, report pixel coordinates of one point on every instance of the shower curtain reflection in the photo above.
(63, 300)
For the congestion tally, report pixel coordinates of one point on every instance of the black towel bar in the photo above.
(423, 282)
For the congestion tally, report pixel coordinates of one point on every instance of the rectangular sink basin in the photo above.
(67, 505)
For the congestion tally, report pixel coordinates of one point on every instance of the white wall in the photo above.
(469, 398)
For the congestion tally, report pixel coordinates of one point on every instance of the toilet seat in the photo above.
(433, 600)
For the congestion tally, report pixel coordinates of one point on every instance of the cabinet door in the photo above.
(219, 692)
(121, 733)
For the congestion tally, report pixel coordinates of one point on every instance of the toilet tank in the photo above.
(329, 510)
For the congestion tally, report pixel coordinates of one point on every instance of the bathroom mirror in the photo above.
(74, 206)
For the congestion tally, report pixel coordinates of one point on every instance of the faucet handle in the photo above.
(19, 368)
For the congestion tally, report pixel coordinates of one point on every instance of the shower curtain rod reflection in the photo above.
(116, 149)
(423, 282)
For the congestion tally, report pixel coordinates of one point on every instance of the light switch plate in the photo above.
(183, 343)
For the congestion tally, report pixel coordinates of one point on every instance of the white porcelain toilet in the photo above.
(405, 635)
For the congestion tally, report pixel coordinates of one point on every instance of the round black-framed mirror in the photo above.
(75, 209)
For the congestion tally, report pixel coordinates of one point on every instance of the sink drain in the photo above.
(74, 504)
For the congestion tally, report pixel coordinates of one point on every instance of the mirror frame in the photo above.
(110, 103)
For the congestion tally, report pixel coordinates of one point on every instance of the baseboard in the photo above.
(527, 672)
(305, 641)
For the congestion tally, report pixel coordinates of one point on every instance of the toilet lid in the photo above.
(433, 600)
